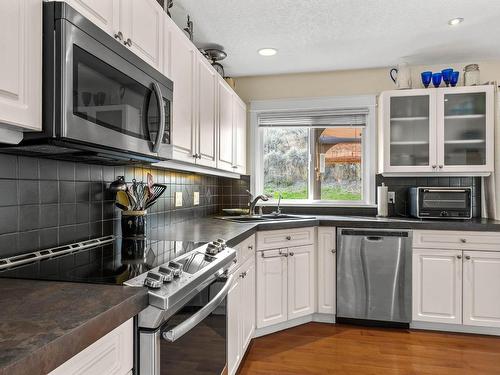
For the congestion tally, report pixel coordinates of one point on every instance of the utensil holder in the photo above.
(133, 223)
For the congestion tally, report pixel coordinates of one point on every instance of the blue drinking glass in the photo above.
(436, 79)
(446, 75)
(426, 78)
(454, 78)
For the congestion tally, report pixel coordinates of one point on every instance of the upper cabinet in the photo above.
(104, 14)
(439, 131)
(20, 68)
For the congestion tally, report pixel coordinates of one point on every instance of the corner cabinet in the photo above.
(20, 68)
(447, 131)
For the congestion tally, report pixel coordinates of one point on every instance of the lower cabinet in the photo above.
(241, 309)
(326, 276)
(285, 284)
(112, 354)
(457, 287)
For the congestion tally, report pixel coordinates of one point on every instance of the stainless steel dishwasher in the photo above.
(374, 276)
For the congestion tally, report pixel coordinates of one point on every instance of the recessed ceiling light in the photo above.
(455, 21)
(268, 51)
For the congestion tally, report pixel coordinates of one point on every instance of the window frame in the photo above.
(369, 145)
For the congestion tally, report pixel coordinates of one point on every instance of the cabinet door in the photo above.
(103, 13)
(206, 132)
(465, 129)
(141, 23)
(240, 136)
(226, 115)
(183, 76)
(248, 304)
(481, 288)
(233, 325)
(437, 285)
(20, 66)
(271, 288)
(301, 281)
(408, 131)
(326, 270)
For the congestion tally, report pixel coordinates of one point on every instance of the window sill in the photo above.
(316, 204)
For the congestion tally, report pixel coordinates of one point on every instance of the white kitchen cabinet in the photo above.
(20, 68)
(437, 285)
(112, 354)
(240, 135)
(141, 23)
(182, 73)
(206, 130)
(326, 270)
(234, 318)
(102, 13)
(481, 288)
(226, 130)
(301, 281)
(248, 304)
(447, 131)
(283, 238)
(272, 287)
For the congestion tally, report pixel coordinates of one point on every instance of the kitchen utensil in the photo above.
(471, 75)
(122, 200)
(454, 78)
(150, 184)
(402, 77)
(436, 79)
(446, 73)
(131, 195)
(426, 78)
(118, 185)
(158, 190)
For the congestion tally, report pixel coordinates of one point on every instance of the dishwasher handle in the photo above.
(374, 235)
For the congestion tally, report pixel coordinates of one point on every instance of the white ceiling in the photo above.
(324, 35)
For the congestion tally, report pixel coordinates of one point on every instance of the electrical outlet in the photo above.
(391, 197)
(178, 199)
(196, 198)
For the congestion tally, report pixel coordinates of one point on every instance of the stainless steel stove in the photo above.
(183, 330)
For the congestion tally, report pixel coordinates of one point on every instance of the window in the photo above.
(315, 156)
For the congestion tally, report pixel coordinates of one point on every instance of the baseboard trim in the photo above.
(493, 331)
(316, 317)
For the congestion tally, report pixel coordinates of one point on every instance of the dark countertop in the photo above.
(208, 229)
(45, 323)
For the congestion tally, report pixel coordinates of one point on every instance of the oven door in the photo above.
(192, 341)
(445, 203)
(106, 100)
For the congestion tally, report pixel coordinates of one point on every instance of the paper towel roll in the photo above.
(382, 200)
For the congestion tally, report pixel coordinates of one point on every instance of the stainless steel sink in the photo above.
(264, 218)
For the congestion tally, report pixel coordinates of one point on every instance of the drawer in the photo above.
(433, 239)
(244, 251)
(285, 238)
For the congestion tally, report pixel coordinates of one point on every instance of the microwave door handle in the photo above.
(183, 328)
(161, 110)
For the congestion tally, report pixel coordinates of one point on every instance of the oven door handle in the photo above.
(183, 328)
(161, 110)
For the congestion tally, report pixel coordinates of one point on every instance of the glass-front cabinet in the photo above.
(446, 130)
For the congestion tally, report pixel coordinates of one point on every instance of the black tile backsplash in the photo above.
(46, 203)
(400, 186)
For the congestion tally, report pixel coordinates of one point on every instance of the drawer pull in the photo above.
(463, 240)
(459, 257)
(467, 257)
(250, 247)
(288, 238)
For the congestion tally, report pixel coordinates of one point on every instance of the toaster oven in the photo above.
(441, 202)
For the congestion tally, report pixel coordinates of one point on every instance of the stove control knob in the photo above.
(222, 242)
(153, 280)
(212, 249)
(167, 273)
(176, 268)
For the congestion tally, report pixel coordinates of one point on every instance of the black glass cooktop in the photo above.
(107, 261)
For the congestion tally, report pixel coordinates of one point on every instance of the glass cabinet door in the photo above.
(465, 129)
(410, 131)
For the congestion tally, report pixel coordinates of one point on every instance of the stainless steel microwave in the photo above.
(441, 202)
(101, 103)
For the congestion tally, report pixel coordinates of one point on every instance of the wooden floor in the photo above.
(317, 348)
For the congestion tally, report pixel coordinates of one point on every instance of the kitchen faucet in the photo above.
(254, 201)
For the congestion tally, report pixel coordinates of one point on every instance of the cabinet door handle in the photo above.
(440, 167)
(128, 42)
(463, 240)
(434, 166)
(291, 253)
(459, 257)
(250, 247)
(467, 257)
(119, 35)
(288, 238)
(234, 166)
(333, 251)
